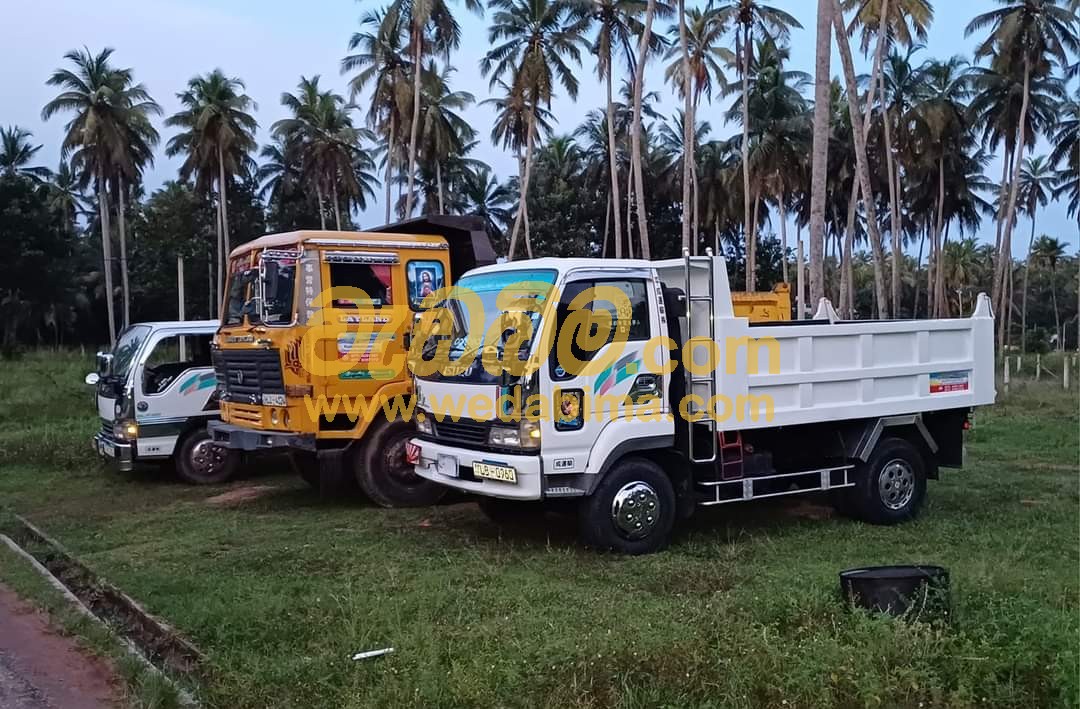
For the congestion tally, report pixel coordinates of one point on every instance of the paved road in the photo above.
(40, 669)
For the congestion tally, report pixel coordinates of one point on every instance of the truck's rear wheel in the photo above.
(200, 461)
(385, 475)
(891, 486)
(631, 511)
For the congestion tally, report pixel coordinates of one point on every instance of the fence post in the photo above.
(1065, 374)
(1006, 376)
(1038, 366)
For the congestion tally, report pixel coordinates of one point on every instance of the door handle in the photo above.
(644, 386)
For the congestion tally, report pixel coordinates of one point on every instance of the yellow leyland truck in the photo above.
(311, 324)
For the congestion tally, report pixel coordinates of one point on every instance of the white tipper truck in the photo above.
(869, 409)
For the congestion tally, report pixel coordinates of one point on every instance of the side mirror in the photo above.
(92, 379)
(104, 361)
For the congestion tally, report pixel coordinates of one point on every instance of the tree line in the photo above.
(872, 166)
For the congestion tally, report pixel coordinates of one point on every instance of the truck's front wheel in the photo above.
(386, 476)
(891, 486)
(631, 511)
(201, 461)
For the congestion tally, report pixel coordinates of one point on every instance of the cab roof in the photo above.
(295, 238)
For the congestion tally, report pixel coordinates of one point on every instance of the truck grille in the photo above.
(466, 431)
(244, 376)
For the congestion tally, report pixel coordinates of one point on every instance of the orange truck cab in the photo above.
(315, 330)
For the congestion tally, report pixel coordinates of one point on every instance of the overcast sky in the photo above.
(271, 43)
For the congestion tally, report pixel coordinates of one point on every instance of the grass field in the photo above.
(743, 610)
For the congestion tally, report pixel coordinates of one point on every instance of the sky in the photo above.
(271, 43)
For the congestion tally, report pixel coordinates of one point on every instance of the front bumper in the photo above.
(245, 439)
(114, 452)
(452, 466)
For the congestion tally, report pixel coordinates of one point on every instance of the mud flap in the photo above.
(335, 477)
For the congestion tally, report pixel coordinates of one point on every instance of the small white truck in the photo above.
(156, 391)
(868, 409)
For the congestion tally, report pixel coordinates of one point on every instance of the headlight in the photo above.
(126, 430)
(274, 419)
(504, 437)
(423, 423)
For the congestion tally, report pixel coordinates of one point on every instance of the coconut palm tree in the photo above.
(531, 40)
(486, 198)
(616, 27)
(444, 132)
(110, 111)
(1049, 251)
(216, 138)
(16, 152)
(1024, 39)
(751, 19)
(819, 152)
(862, 168)
(432, 29)
(381, 59)
(1037, 178)
(1067, 151)
(66, 197)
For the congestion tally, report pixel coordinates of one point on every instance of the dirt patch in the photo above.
(240, 495)
(39, 668)
(809, 510)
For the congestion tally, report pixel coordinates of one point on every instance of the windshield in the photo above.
(491, 296)
(263, 293)
(127, 347)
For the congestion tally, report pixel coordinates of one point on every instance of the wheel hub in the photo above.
(207, 457)
(896, 484)
(635, 510)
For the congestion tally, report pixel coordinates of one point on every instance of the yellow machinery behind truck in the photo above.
(275, 395)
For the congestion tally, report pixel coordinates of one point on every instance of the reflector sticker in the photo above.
(943, 382)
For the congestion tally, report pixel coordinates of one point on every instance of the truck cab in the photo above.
(638, 394)
(313, 338)
(155, 393)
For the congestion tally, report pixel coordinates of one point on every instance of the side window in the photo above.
(424, 277)
(373, 279)
(171, 357)
(634, 322)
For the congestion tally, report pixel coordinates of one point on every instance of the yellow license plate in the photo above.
(502, 473)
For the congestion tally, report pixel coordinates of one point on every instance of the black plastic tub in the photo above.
(898, 590)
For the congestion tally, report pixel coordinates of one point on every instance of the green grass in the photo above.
(742, 610)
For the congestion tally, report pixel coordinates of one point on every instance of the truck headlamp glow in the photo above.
(504, 437)
(126, 430)
(530, 433)
(423, 423)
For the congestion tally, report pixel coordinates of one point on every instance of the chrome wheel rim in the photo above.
(207, 458)
(896, 484)
(635, 510)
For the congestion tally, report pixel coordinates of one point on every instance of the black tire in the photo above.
(201, 462)
(510, 513)
(641, 487)
(890, 487)
(306, 465)
(383, 473)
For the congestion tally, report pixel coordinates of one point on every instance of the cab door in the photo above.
(174, 382)
(615, 396)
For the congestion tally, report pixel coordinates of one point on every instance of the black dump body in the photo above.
(470, 245)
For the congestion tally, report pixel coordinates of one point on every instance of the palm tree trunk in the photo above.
(218, 263)
(106, 253)
(613, 162)
(523, 180)
(894, 210)
(414, 129)
(1027, 269)
(528, 233)
(1057, 315)
(751, 244)
(688, 131)
(122, 226)
(846, 274)
(820, 152)
(918, 265)
(745, 152)
(337, 206)
(939, 250)
(607, 226)
(629, 210)
(635, 135)
(322, 210)
(860, 158)
(1010, 213)
(210, 261)
(783, 235)
(390, 164)
(439, 186)
(223, 196)
(800, 284)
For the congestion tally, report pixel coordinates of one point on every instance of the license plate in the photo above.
(502, 473)
(107, 450)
